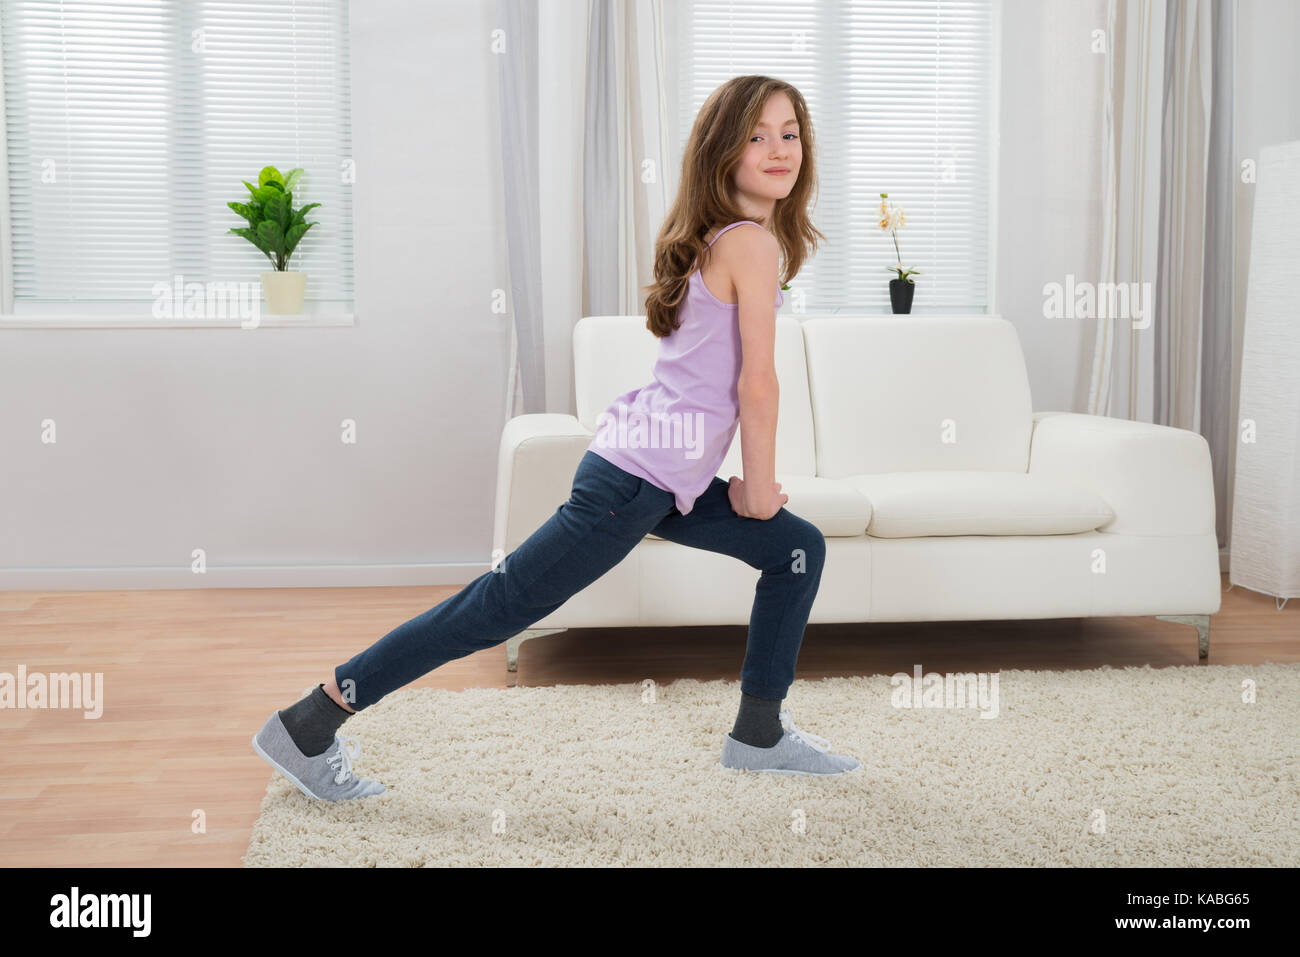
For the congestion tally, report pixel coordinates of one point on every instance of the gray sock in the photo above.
(312, 722)
(759, 722)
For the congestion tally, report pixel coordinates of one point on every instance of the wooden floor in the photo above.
(189, 676)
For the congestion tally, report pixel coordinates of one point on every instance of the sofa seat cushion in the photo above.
(835, 506)
(923, 504)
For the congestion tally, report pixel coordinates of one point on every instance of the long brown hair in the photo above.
(718, 139)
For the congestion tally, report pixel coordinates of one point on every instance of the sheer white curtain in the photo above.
(585, 163)
(1168, 221)
(1122, 380)
(626, 161)
(517, 42)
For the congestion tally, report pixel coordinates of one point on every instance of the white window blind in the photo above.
(130, 125)
(901, 96)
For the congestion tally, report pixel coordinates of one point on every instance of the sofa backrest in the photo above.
(615, 354)
(914, 394)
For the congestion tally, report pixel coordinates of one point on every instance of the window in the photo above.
(130, 125)
(902, 101)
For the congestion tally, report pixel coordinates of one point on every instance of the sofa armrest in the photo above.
(538, 455)
(1157, 479)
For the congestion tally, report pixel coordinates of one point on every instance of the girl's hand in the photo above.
(741, 500)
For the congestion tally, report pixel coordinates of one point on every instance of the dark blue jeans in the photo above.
(607, 514)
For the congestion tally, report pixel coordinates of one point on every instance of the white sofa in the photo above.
(911, 442)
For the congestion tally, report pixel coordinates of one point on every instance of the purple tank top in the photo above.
(675, 431)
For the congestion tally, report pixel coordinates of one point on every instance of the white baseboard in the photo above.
(240, 576)
(260, 576)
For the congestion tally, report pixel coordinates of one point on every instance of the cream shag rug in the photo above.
(1108, 767)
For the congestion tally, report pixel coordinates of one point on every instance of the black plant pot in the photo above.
(900, 296)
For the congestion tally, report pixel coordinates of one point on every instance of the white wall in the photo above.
(1267, 112)
(1050, 189)
(228, 439)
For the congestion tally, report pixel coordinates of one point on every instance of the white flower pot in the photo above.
(283, 292)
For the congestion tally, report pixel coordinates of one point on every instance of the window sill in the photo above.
(104, 315)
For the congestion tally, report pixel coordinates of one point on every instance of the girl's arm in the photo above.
(753, 259)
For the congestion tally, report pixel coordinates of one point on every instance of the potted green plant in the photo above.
(276, 228)
(892, 219)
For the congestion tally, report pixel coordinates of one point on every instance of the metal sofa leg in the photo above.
(1202, 623)
(512, 644)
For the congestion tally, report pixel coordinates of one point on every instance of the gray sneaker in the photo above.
(798, 752)
(327, 776)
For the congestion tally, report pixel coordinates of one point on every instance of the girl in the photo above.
(747, 177)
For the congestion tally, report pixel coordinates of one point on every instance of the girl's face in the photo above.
(770, 164)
